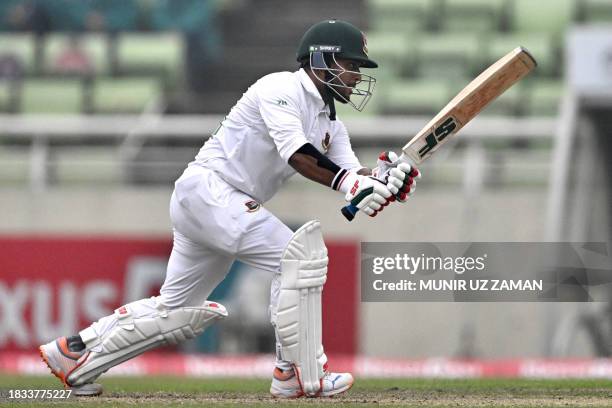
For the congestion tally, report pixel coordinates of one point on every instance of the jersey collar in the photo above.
(310, 87)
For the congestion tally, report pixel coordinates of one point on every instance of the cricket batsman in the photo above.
(284, 123)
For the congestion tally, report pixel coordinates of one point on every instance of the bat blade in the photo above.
(487, 86)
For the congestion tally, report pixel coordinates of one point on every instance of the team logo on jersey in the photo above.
(326, 142)
(252, 205)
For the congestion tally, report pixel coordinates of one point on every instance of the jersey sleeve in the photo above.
(340, 150)
(281, 114)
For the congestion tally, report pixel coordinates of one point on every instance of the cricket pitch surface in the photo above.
(192, 392)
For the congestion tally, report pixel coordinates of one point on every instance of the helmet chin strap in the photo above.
(328, 98)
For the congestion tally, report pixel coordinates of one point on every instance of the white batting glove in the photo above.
(399, 175)
(367, 193)
(384, 163)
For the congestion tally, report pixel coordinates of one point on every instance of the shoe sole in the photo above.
(59, 375)
(327, 395)
(86, 390)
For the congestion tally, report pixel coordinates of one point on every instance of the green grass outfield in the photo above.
(192, 392)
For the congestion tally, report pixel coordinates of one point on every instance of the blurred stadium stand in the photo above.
(205, 53)
(156, 59)
(456, 39)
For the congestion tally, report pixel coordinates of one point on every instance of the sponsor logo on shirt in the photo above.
(252, 205)
(326, 142)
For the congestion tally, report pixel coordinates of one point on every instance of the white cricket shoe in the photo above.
(62, 361)
(285, 384)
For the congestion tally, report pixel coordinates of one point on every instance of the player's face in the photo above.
(350, 77)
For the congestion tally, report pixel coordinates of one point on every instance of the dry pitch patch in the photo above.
(182, 392)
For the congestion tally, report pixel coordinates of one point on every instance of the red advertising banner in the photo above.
(260, 366)
(52, 286)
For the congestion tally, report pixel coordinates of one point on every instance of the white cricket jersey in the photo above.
(276, 116)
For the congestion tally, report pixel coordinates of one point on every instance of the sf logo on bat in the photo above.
(438, 134)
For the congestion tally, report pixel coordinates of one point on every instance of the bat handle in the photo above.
(404, 157)
(349, 211)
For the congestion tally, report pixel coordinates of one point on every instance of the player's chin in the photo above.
(345, 96)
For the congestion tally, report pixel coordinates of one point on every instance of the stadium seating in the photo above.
(22, 46)
(549, 16)
(95, 46)
(144, 61)
(393, 51)
(50, 95)
(130, 94)
(401, 16)
(424, 42)
(421, 96)
(482, 16)
(446, 54)
(417, 43)
(594, 11)
(545, 96)
(151, 53)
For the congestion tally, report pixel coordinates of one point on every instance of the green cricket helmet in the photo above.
(329, 40)
(337, 36)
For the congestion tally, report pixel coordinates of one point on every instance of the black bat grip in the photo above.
(349, 211)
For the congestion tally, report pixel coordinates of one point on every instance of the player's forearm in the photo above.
(307, 166)
(312, 164)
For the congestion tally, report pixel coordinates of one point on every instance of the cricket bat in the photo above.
(487, 86)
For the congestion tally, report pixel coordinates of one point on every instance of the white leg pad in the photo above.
(298, 317)
(132, 336)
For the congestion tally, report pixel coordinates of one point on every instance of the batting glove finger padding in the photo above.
(375, 203)
(401, 181)
(369, 211)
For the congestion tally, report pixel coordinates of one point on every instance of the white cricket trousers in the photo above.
(212, 227)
